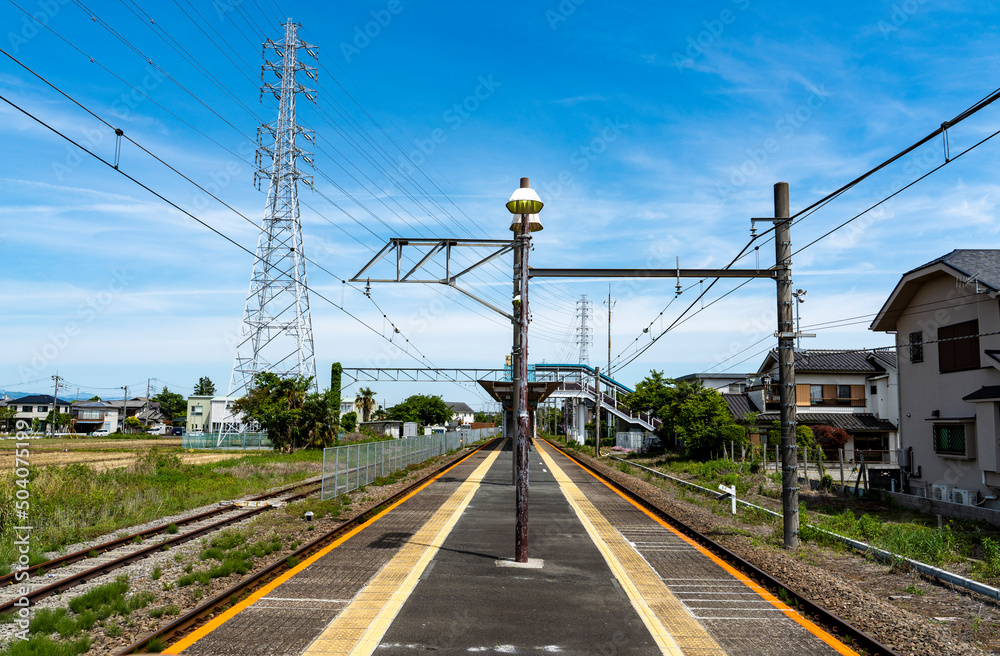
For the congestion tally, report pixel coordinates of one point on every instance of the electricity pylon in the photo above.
(276, 334)
(584, 332)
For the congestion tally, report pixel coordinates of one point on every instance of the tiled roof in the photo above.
(814, 360)
(983, 264)
(849, 421)
(36, 399)
(984, 393)
(739, 405)
(458, 406)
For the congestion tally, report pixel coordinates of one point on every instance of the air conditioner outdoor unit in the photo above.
(964, 497)
(940, 493)
(920, 492)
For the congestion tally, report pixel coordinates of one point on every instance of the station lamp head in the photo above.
(524, 200)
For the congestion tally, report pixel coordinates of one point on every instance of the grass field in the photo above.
(83, 488)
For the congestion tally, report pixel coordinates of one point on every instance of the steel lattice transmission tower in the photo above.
(584, 332)
(276, 334)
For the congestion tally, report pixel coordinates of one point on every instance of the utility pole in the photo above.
(611, 305)
(146, 407)
(55, 405)
(124, 407)
(597, 413)
(786, 365)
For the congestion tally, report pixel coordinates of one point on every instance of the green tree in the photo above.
(172, 405)
(205, 387)
(421, 408)
(803, 435)
(336, 374)
(132, 424)
(62, 419)
(703, 423)
(318, 422)
(349, 421)
(276, 404)
(492, 418)
(7, 414)
(95, 398)
(366, 401)
(662, 397)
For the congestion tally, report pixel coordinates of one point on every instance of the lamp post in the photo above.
(524, 204)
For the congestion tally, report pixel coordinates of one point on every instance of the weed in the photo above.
(197, 594)
(114, 630)
(155, 646)
(914, 590)
(157, 573)
(292, 561)
(92, 553)
(172, 528)
(168, 586)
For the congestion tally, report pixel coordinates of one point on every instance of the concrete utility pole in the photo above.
(124, 407)
(611, 305)
(55, 405)
(597, 413)
(786, 365)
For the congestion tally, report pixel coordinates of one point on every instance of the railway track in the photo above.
(837, 626)
(190, 621)
(78, 578)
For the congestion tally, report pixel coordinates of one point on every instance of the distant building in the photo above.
(722, 383)
(462, 413)
(853, 390)
(89, 416)
(35, 406)
(214, 414)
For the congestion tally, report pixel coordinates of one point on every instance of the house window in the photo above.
(43, 408)
(958, 349)
(815, 394)
(197, 409)
(917, 346)
(949, 439)
(843, 395)
(873, 389)
(26, 408)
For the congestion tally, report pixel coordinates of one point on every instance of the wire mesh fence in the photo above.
(226, 441)
(351, 466)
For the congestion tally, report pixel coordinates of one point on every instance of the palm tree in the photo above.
(366, 402)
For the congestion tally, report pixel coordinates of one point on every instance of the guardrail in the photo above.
(351, 466)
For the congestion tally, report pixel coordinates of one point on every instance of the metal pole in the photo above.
(786, 365)
(840, 453)
(521, 405)
(597, 413)
(55, 405)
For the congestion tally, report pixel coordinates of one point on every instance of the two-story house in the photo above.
(946, 319)
(461, 412)
(35, 407)
(89, 416)
(853, 390)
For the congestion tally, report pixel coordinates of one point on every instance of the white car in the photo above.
(101, 432)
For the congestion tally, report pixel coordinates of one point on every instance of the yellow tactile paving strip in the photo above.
(670, 624)
(814, 629)
(359, 628)
(216, 622)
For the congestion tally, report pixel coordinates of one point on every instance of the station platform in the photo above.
(435, 572)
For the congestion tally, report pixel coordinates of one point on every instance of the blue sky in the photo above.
(650, 132)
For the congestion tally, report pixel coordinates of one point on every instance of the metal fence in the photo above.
(348, 467)
(226, 441)
(637, 441)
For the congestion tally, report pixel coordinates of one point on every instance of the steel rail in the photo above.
(840, 626)
(221, 602)
(83, 554)
(80, 578)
